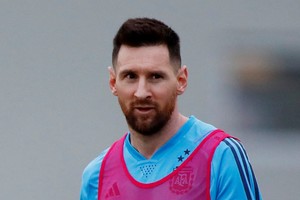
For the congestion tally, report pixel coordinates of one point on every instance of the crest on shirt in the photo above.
(182, 181)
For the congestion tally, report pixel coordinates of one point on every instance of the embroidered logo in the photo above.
(113, 192)
(182, 182)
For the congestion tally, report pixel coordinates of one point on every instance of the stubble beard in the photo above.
(152, 123)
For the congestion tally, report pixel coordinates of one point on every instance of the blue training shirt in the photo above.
(232, 176)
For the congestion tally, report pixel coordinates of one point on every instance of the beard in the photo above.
(151, 123)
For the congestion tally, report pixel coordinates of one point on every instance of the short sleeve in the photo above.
(232, 176)
(90, 178)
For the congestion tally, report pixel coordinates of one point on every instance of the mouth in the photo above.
(144, 109)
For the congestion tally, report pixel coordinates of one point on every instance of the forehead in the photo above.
(143, 57)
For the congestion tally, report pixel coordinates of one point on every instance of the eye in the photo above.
(156, 76)
(130, 76)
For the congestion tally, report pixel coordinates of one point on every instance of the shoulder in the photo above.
(230, 148)
(232, 173)
(231, 152)
(90, 176)
(229, 156)
(94, 166)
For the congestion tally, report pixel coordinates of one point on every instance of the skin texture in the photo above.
(147, 86)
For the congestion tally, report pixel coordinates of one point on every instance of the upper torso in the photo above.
(225, 171)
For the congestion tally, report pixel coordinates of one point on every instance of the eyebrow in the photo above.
(126, 71)
(162, 73)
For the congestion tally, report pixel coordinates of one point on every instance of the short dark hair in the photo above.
(138, 32)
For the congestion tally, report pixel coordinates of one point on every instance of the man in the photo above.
(164, 155)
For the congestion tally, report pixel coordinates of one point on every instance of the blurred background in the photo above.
(57, 112)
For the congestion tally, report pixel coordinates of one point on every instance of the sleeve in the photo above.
(232, 176)
(90, 178)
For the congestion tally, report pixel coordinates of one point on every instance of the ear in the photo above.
(112, 80)
(182, 79)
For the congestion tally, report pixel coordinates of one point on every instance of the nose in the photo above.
(142, 91)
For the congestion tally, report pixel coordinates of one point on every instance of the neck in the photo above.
(148, 145)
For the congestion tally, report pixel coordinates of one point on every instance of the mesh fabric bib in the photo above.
(190, 181)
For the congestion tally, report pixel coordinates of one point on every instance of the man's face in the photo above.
(146, 85)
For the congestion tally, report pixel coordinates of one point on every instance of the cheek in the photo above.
(124, 103)
(166, 89)
(124, 90)
(125, 95)
(165, 93)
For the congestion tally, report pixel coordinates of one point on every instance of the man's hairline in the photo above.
(173, 63)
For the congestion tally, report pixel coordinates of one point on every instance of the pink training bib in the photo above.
(190, 181)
